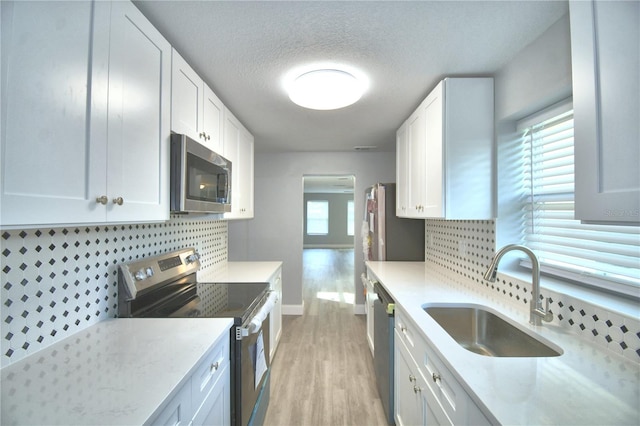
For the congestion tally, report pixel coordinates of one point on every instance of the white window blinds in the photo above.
(602, 255)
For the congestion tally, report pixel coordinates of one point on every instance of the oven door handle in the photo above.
(254, 324)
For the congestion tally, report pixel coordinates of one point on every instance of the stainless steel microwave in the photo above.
(200, 178)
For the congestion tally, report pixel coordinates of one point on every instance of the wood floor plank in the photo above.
(322, 374)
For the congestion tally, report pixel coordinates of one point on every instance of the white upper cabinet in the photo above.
(51, 173)
(85, 125)
(449, 153)
(402, 177)
(238, 148)
(196, 111)
(605, 55)
(139, 109)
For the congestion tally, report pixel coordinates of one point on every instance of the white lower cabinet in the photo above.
(426, 392)
(204, 399)
(409, 401)
(275, 317)
(370, 299)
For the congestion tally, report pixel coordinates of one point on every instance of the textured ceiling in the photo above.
(244, 49)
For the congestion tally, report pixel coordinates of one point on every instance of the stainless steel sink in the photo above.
(486, 333)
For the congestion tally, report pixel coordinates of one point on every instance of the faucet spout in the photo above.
(536, 311)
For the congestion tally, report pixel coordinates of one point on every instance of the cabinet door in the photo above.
(402, 172)
(52, 168)
(605, 53)
(187, 94)
(216, 410)
(275, 317)
(416, 128)
(231, 143)
(238, 147)
(138, 118)
(245, 161)
(177, 412)
(213, 122)
(408, 389)
(433, 154)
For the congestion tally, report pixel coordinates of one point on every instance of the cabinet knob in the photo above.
(436, 377)
(412, 378)
(208, 137)
(417, 389)
(202, 135)
(119, 201)
(102, 200)
(214, 366)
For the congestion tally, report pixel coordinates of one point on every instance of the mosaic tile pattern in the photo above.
(58, 281)
(465, 248)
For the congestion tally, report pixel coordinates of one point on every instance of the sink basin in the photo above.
(479, 330)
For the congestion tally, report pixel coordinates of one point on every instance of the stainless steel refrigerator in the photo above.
(385, 236)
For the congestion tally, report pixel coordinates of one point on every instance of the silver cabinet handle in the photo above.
(214, 367)
(436, 377)
(119, 201)
(412, 378)
(102, 200)
(417, 389)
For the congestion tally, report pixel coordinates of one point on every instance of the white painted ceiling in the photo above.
(242, 49)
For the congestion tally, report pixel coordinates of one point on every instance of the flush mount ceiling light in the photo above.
(326, 88)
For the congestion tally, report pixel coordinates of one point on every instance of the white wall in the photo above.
(539, 75)
(276, 232)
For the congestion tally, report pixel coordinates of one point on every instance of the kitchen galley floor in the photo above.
(323, 373)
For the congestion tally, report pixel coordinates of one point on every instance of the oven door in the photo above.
(200, 178)
(254, 364)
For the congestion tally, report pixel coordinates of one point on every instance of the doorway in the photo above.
(328, 238)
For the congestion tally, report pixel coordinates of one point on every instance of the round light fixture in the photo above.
(326, 89)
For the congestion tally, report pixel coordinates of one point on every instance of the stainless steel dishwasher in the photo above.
(383, 319)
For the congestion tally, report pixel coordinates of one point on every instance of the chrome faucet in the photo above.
(536, 313)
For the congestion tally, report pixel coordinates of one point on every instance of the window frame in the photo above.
(326, 219)
(578, 273)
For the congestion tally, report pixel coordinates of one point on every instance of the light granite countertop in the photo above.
(585, 385)
(118, 371)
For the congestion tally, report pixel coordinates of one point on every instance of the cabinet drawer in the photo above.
(208, 372)
(443, 385)
(406, 329)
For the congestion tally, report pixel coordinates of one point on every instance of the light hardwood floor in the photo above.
(322, 373)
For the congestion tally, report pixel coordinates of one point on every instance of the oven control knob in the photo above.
(192, 258)
(149, 272)
(140, 275)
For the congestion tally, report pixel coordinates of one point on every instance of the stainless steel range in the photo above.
(166, 286)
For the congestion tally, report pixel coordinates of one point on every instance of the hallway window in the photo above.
(350, 218)
(317, 217)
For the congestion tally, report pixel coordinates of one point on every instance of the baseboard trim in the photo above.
(358, 309)
(293, 309)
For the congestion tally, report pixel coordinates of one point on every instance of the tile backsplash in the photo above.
(58, 281)
(465, 249)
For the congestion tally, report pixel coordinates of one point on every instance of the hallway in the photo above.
(323, 370)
